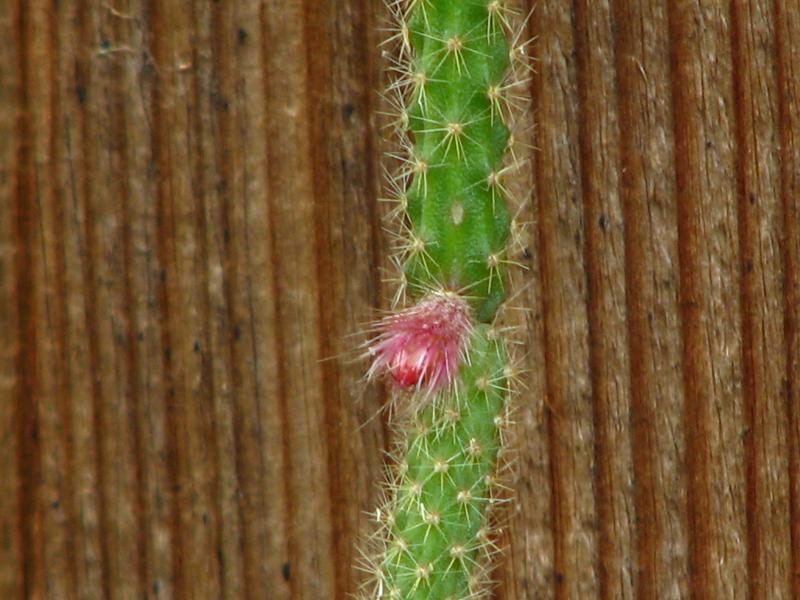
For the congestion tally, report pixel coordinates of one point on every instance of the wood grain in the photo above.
(191, 245)
(651, 285)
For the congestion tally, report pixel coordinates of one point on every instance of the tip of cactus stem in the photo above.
(423, 345)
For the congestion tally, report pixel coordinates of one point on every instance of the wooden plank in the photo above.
(190, 239)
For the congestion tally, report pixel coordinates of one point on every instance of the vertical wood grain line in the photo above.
(242, 53)
(133, 393)
(688, 128)
(86, 198)
(120, 124)
(61, 306)
(766, 522)
(606, 550)
(787, 31)
(753, 401)
(563, 287)
(317, 28)
(273, 195)
(372, 146)
(226, 154)
(597, 139)
(11, 559)
(28, 466)
(376, 148)
(207, 384)
(633, 192)
(552, 389)
(293, 179)
(164, 231)
(552, 392)
(530, 569)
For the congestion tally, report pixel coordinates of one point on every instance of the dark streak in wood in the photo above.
(634, 197)
(688, 134)
(597, 131)
(26, 408)
(317, 19)
(165, 259)
(787, 30)
(747, 243)
(273, 196)
(87, 160)
(221, 57)
(552, 415)
(207, 383)
(133, 392)
(62, 335)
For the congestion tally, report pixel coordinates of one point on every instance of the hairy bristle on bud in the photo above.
(423, 346)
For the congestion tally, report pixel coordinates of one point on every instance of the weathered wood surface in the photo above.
(189, 232)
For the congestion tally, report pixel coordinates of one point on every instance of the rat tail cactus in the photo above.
(441, 348)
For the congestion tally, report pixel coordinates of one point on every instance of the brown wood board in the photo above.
(191, 247)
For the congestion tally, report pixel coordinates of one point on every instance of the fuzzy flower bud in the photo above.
(424, 344)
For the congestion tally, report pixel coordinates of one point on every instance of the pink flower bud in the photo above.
(424, 344)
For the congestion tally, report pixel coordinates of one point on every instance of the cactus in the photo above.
(444, 352)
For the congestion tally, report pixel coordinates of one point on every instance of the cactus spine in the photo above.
(436, 538)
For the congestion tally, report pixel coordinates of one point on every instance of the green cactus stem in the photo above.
(455, 203)
(436, 537)
(440, 539)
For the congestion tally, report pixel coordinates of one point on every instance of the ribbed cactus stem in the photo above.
(456, 205)
(440, 541)
(437, 537)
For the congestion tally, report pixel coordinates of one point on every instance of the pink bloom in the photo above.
(424, 344)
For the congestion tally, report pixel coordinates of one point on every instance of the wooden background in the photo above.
(189, 232)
